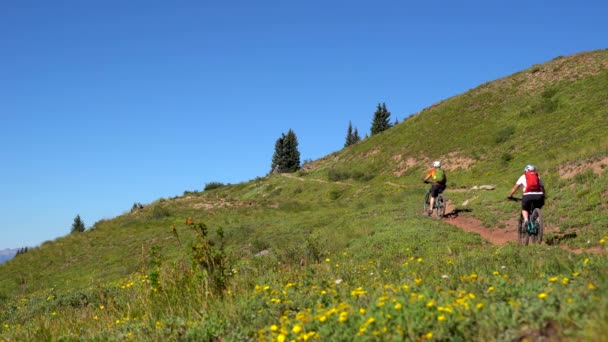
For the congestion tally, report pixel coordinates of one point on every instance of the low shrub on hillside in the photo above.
(213, 185)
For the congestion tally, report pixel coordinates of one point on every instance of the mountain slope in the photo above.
(554, 115)
(361, 205)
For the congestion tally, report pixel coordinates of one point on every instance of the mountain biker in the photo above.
(438, 181)
(533, 191)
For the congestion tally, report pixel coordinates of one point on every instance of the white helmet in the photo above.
(529, 168)
(436, 164)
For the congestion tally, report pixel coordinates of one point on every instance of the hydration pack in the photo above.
(439, 176)
(532, 182)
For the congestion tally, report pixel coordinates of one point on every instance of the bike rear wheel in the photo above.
(440, 205)
(522, 232)
(536, 219)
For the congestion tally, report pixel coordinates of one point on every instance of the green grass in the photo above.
(341, 252)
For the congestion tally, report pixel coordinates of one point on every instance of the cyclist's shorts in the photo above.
(436, 189)
(529, 202)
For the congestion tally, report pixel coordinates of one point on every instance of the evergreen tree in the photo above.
(381, 119)
(78, 225)
(352, 137)
(286, 156)
(356, 137)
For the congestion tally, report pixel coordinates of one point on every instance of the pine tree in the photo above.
(286, 156)
(356, 137)
(352, 137)
(381, 119)
(78, 225)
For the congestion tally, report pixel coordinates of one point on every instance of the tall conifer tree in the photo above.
(381, 119)
(286, 156)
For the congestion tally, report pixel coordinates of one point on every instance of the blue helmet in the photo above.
(529, 168)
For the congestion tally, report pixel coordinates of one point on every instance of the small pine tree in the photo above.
(78, 225)
(356, 137)
(349, 135)
(381, 119)
(286, 157)
(352, 136)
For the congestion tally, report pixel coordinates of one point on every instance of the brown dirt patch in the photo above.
(499, 236)
(597, 165)
(403, 164)
(455, 160)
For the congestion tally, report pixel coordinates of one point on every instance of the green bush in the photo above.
(213, 185)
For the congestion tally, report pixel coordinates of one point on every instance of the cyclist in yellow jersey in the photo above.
(438, 183)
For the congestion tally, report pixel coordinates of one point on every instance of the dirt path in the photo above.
(471, 224)
(498, 236)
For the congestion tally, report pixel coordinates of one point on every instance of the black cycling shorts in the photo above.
(436, 189)
(530, 202)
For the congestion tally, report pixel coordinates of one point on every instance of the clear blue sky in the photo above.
(108, 103)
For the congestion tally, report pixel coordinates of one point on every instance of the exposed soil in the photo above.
(471, 224)
(498, 236)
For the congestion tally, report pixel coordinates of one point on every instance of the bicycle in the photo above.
(439, 205)
(534, 230)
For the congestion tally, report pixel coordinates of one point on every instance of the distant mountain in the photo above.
(7, 254)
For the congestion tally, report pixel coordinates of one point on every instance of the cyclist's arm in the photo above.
(515, 187)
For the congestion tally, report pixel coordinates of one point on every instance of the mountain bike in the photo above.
(439, 205)
(533, 231)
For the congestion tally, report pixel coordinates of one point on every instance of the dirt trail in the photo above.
(471, 224)
(498, 236)
(495, 236)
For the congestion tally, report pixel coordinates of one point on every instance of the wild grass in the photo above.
(340, 251)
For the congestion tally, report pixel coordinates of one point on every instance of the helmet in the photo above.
(436, 163)
(529, 168)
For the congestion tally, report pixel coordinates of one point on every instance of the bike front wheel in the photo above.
(427, 198)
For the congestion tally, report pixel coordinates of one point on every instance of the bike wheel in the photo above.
(440, 206)
(536, 218)
(427, 198)
(522, 232)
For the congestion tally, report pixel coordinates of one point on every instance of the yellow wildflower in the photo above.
(296, 328)
(362, 311)
(552, 279)
(343, 316)
(491, 288)
(565, 281)
(591, 287)
(274, 327)
(398, 306)
(281, 338)
(441, 318)
(542, 295)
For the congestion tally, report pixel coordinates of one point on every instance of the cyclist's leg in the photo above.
(434, 192)
(526, 204)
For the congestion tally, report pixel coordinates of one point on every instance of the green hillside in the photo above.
(340, 251)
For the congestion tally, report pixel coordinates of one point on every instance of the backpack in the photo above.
(532, 182)
(439, 176)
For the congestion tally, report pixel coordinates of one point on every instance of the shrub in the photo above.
(213, 185)
(504, 134)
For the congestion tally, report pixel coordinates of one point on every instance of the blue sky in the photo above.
(108, 103)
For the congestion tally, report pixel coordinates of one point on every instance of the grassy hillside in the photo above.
(339, 249)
